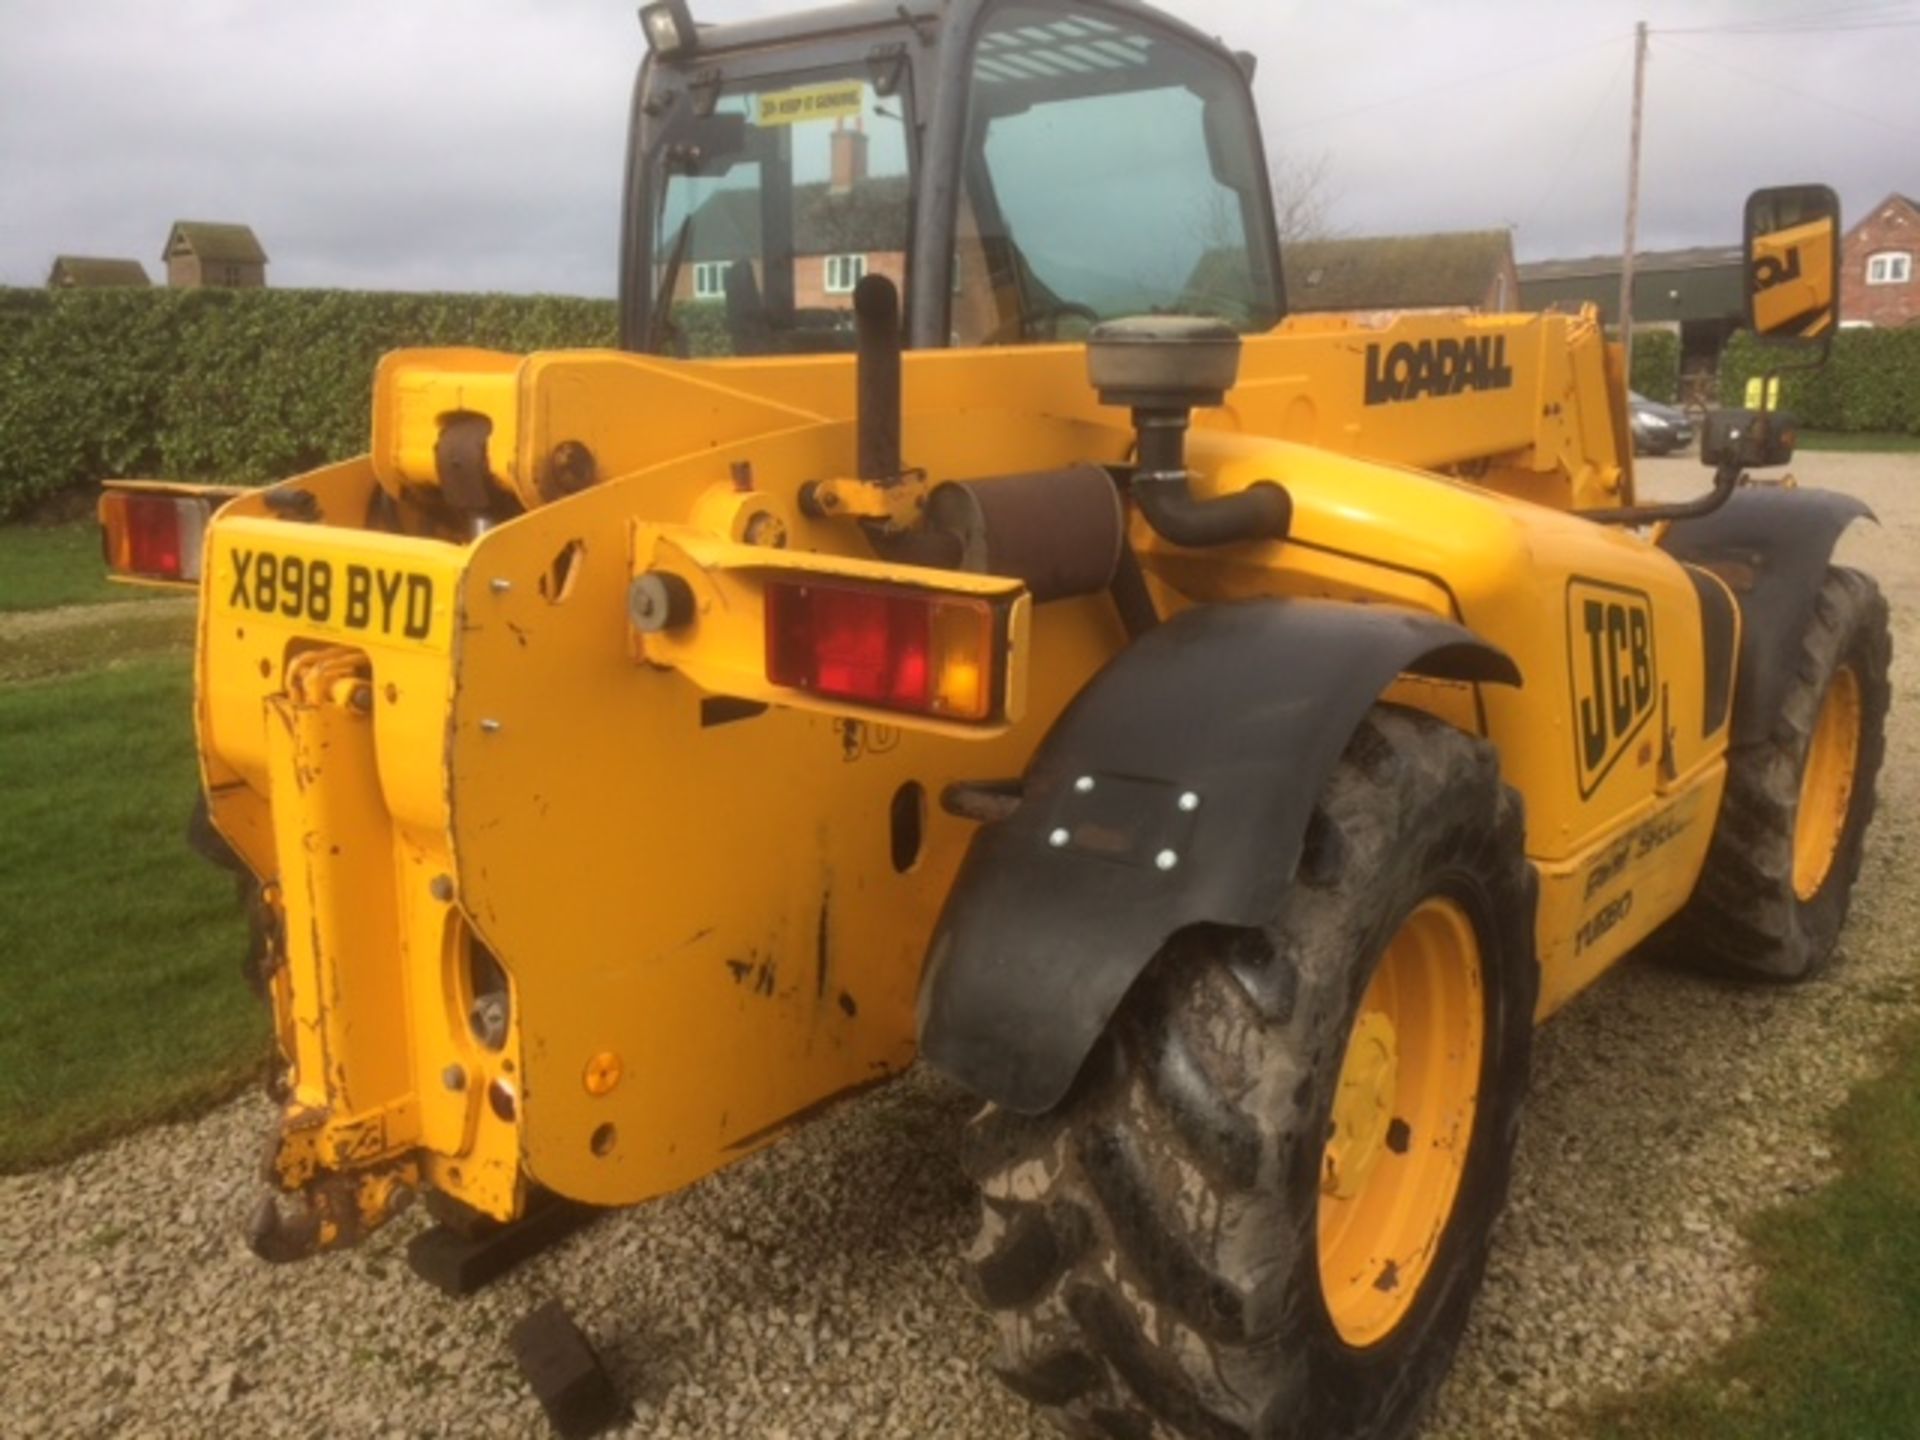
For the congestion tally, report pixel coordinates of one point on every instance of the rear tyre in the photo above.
(1265, 1207)
(1779, 874)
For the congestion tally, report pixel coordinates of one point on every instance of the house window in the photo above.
(844, 272)
(710, 280)
(1890, 267)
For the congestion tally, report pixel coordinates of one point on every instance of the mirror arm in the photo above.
(1769, 377)
(1727, 476)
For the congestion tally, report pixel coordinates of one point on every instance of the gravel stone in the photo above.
(814, 1290)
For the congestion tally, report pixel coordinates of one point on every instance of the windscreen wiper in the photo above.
(661, 324)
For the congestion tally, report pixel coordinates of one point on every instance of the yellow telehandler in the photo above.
(970, 617)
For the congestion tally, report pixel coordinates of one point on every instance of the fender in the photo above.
(1772, 547)
(1175, 789)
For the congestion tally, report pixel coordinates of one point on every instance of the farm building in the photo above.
(87, 272)
(200, 254)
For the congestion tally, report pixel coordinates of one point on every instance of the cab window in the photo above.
(1111, 169)
(782, 199)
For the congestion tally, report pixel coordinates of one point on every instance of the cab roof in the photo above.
(819, 20)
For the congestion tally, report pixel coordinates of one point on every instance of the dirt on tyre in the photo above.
(1266, 1205)
(1779, 874)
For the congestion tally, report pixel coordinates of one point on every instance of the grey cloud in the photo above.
(477, 144)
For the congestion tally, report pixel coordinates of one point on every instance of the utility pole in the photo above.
(1633, 195)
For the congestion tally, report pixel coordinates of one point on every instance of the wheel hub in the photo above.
(1826, 784)
(1402, 1121)
(1363, 1106)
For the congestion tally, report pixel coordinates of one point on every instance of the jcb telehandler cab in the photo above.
(1213, 736)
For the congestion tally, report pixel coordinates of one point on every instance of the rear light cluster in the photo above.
(153, 536)
(891, 648)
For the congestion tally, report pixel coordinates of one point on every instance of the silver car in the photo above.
(1657, 429)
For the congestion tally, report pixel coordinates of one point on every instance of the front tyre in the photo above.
(1779, 874)
(1265, 1207)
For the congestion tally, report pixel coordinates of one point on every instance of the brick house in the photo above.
(86, 272)
(845, 227)
(200, 254)
(1455, 270)
(1880, 266)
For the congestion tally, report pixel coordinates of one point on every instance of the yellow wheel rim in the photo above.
(1402, 1121)
(1826, 783)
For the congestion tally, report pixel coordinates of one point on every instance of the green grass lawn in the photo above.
(1837, 1354)
(47, 565)
(1843, 440)
(121, 1001)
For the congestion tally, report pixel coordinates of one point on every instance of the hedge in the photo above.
(1871, 381)
(1656, 365)
(229, 385)
(252, 385)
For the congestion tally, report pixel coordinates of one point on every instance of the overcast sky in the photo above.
(477, 144)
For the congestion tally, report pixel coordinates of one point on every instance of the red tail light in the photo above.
(153, 536)
(895, 649)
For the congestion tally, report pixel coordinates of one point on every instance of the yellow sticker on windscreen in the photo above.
(837, 101)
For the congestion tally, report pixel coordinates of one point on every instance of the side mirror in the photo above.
(1792, 265)
(1226, 123)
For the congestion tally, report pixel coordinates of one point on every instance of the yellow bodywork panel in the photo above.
(457, 763)
(734, 927)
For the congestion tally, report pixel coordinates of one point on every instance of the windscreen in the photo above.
(776, 203)
(1111, 169)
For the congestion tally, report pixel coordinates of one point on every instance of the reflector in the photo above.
(895, 649)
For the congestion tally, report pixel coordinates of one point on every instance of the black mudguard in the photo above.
(1175, 790)
(1772, 547)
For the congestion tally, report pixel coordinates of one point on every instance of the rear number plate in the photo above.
(354, 596)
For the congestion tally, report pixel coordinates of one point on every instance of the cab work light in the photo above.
(153, 536)
(668, 26)
(894, 649)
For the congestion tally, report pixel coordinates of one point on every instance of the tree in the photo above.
(1303, 195)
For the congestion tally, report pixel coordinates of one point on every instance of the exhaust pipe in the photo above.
(876, 312)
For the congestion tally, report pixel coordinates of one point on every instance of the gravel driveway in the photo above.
(813, 1291)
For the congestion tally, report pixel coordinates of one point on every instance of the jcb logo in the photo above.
(1611, 658)
(1771, 270)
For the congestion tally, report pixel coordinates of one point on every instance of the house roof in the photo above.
(868, 219)
(1394, 272)
(1703, 283)
(1873, 211)
(1645, 262)
(90, 270)
(217, 241)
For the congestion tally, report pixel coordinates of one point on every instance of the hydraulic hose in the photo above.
(1162, 489)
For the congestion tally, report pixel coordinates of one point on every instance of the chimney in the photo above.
(849, 158)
